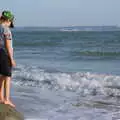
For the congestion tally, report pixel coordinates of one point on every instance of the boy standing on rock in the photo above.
(6, 56)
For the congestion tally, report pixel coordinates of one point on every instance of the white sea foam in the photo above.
(79, 82)
(36, 119)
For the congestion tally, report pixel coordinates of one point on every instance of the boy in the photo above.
(6, 56)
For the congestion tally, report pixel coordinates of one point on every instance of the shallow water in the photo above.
(52, 95)
(64, 105)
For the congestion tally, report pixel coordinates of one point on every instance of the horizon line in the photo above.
(75, 26)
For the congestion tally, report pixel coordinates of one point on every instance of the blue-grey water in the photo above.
(67, 75)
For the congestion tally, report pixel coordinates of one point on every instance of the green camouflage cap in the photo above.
(8, 15)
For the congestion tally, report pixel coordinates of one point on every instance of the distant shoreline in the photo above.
(72, 28)
(117, 26)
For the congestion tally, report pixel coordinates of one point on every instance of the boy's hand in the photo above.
(13, 63)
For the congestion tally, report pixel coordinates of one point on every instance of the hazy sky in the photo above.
(63, 12)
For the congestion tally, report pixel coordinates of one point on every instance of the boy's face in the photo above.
(8, 23)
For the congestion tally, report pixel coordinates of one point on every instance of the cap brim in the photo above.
(12, 25)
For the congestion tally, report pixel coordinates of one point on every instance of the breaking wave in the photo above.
(79, 82)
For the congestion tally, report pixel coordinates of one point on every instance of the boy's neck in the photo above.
(4, 24)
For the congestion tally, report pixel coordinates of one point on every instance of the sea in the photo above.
(66, 74)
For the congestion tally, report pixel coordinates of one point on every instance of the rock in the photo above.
(9, 113)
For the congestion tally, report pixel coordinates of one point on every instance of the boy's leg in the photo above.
(6, 70)
(7, 91)
(2, 88)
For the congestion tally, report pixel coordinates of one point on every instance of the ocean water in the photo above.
(67, 75)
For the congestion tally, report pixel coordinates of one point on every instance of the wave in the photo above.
(36, 44)
(70, 30)
(79, 82)
(90, 53)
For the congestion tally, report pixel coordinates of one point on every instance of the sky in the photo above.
(63, 12)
